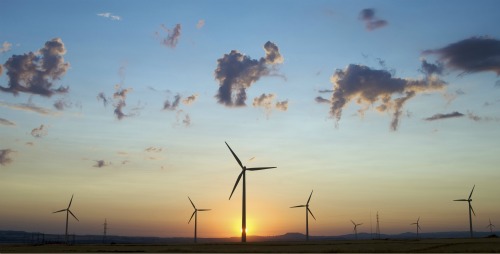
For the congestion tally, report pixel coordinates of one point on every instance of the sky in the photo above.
(378, 106)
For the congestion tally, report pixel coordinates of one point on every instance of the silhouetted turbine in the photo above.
(195, 214)
(67, 216)
(356, 228)
(244, 209)
(470, 209)
(491, 226)
(418, 225)
(307, 214)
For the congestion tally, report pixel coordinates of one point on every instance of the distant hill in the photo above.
(8, 236)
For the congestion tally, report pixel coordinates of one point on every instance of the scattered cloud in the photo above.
(444, 116)
(28, 107)
(471, 55)
(173, 36)
(325, 91)
(6, 122)
(183, 118)
(119, 96)
(266, 101)
(320, 99)
(368, 86)
(39, 132)
(5, 156)
(200, 24)
(110, 16)
(282, 105)
(371, 22)
(430, 68)
(101, 163)
(30, 144)
(102, 97)
(61, 104)
(34, 72)
(152, 149)
(6, 46)
(237, 72)
(190, 99)
(477, 118)
(167, 105)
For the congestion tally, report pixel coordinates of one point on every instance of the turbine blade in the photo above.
(418, 219)
(71, 200)
(192, 203)
(470, 206)
(298, 206)
(236, 157)
(413, 224)
(261, 168)
(311, 213)
(73, 215)
(472, 191)
(192, 216)
(360, 224)
(353, 223)
(60, 211)
(419, 227)
(236, 184)
(461, 199)
(309, 198)
(202, 210)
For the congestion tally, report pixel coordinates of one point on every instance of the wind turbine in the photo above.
(491, 226)
(195, 214)
(67, 216)
(470, 209)
(244, 202)
(356, 228)
(418, 225)
(307, 214)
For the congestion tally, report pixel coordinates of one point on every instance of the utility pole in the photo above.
(105, 229)
(378, 228)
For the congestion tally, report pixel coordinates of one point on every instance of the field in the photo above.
(483, 245)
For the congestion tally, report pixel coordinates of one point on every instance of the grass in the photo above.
(482, 245)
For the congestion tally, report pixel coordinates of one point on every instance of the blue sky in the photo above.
(406, 161)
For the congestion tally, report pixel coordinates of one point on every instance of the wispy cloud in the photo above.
(5, 156)
(266, 101)
(190, 99)
(39, 131)
(173, 36)
(167, 105)
(183, 118)
(200, 24)
(368, 86)
(237, 72)
(102, 97)
(371, 22)
(101, 163)
(61, 104)
(320, 99)
(6, 122)
(34, 73)
(471, 55)
(110, 16)
(6, 46)
(444, 116)
(153, 149)
(477, 118)
(29, 107)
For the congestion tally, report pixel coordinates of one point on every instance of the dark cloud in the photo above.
(101, 163)
(102, 97)
(237, 72)
(371, 22)
(190, 99)
(39, 131)
(475, 54)
(477, 118)
(320, 99)
(431, 69)
(167, 105)
(325, 91)
(61, 104)
(5, 156)
(173, 36)
(28, 107)
(444, 116)
(154, 149)
(6, 122)
(119, 110)
(119, 96)
(34, 72)
(369, 86)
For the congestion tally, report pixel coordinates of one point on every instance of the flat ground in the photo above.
(483, 245)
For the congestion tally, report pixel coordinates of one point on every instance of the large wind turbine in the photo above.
(244, 209)
(67, 216)
(356, 228)
(470, 209)
(195, 214)
(418, 225)
(307, 214)
(491, 226)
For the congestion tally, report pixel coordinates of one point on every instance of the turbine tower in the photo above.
(491, 226)
(67, 217)
(105, 231)
(418, 225)
(195, 214)
(356, 228)
(307, 214)
(470, 209)
(244, 209)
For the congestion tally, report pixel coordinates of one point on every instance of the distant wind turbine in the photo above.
(470, 209)
(244, 202)
(307, 214)
(356, 228)
(195, 214)
(491, 226)
(67, 216)
(418, 225)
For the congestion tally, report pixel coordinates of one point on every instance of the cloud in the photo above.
(34, 72)
(444, 116)
(173, 36)
(39, 132)
(6, 122)
(471, 55)
(152, 149)
(167, 105)
(102, 97)
(282, 105)
(101, 163)
(6, 46)
(61, 104)
(5, 156)
(28, 107)
(237, 72)
(320, 99)
(200, 24)
(183, 117)
(371, 22)
(325, 91)
(477, 118)
(369, 86)
(266, 101)
(119, 96)
(190, 99)
(108, 15)
(431, 69)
